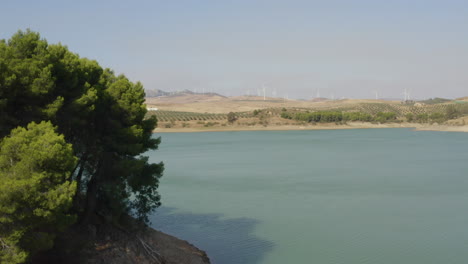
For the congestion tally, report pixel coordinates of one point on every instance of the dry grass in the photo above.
(208, 112)
(200, 103)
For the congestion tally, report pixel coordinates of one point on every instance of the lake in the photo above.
(327, 196)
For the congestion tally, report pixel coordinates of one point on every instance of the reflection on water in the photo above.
(228, 241)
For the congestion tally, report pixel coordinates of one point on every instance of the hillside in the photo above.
(215, 103)
(192, 112)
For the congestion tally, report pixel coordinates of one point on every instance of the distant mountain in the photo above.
(390, 99)
(462, 98)
(156, 93)
(319, 99)
(435, 100)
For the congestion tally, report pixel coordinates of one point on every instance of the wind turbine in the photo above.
(318, 93)
(376, 94)
(264, 92)
(406, 94)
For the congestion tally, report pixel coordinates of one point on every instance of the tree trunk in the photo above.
(78, 179)
(90, 206)
(79, 176)
(91, 195)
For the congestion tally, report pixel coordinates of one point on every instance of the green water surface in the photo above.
(380, 196)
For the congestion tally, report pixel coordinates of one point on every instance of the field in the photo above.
(211, 110)
(177, 116)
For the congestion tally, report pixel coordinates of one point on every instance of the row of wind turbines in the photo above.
(262, 92)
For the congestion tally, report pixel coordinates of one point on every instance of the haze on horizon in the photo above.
(294, 47)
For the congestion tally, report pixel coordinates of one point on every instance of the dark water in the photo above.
(337, 196)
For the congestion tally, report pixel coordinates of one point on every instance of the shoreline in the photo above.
(127, 243)
(460, 129)
(326, 126)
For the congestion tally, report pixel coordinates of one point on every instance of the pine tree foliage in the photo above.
(35, 195)
(101, 115)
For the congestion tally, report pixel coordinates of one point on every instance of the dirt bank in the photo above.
(321, 126)
(444, 128)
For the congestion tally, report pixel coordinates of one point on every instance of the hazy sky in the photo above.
(346, 48)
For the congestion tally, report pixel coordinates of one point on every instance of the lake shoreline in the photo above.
(131, 242)
(326, 126)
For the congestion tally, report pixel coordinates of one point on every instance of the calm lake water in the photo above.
(338, 196)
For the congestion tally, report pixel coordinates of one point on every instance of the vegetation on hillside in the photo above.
(380, 117)
(335, 116)
(168, 116)
(231, 117)
(337, 113)
(435, 100)
(365, 112)
(72, 134)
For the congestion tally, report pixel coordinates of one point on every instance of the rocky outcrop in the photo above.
(99, 244)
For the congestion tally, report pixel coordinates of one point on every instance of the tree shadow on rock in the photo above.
(226, 241)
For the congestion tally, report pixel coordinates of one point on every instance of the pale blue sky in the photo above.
(348, 48)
